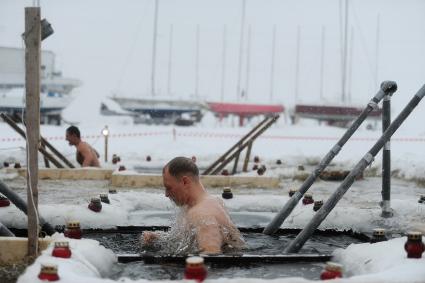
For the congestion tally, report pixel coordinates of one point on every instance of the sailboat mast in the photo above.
(170, 56)
(155, 27)
(248, 63)
(241, 39)
(345, 54)
(322, 62)
(272, 63)
(297, 63)
(350, 66)
(223, 62)
(197, 62)
(378, 27)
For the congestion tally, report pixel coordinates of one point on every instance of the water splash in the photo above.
(180, 239)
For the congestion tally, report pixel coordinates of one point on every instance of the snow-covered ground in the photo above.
(304, 144)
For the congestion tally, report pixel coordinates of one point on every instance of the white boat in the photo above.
(56, 91)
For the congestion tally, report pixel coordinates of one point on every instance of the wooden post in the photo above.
(46, 161)
(32, 37)
(235, 166)
(247, 156)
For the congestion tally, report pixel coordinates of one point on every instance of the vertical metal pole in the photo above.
(386, 160)
(32, 87)
(327, 207)
(241, 39)
(106, 148)
(272, 63)
(155, 31)
(223, 63)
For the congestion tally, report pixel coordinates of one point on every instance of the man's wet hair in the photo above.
(180, 166)
(73, 130)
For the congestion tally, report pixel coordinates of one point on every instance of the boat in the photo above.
(162, 110)
(55, 90)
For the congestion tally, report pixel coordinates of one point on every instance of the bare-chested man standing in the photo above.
(206, 214)
(86, 155)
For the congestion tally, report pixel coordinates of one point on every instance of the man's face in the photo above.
(174, 188)
(71, 138)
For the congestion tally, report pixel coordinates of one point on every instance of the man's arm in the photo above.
(208, 234)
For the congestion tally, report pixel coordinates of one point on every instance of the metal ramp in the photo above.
(234, 152)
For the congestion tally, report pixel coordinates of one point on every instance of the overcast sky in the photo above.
(108, 43)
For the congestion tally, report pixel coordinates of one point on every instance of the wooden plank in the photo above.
(142, 181)
(14, 249)
(32, 38)
(71, 174)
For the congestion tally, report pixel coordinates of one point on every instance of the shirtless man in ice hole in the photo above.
(206, 214)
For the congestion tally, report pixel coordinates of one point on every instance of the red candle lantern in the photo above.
(414, 245)
(308, 199)
(73, 230)
(332, 270)
(48, 272)
(62, 250)
(95, 205)
(4, 201)
(195, 269)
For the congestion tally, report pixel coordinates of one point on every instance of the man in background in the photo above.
(86, 155)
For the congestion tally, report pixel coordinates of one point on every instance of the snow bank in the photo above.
(380, 262)
(89, 261)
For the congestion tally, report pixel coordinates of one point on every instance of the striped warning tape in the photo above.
(221, 135)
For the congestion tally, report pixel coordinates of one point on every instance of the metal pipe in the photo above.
(386, 161)
(387, 88)
(4, 232)
(22, 205)
(323, 212)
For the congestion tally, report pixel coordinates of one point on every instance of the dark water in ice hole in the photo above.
(257, 243)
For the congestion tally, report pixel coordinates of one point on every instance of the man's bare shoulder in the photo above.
(207, 208)
(82, 146)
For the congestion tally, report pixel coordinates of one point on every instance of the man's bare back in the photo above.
(86, 155)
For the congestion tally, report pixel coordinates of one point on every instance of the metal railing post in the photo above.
(327, 207)
(387, 88)
(386, 160)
